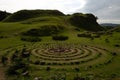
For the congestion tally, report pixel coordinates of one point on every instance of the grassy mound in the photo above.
(26, 14)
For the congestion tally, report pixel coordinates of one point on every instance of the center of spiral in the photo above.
(59, 50)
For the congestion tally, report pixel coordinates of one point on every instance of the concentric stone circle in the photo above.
(70, 54)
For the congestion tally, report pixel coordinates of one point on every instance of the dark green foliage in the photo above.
(14, 56)
(25, 53)
(107, 40)
(1, 37)
(19, 64)
(4, 59)
(11, 71)
(60, 38)
(42, 63)
(77, 63)
(37, 62)
(114, 53)
(48, 69)
(90, 66)
(85, 21)
(26, 14)
(117, 45)
(77, 29)
(30, 39)
(97, 35)
(45, 30)
(84, 35)
(78, 78)
(77, 69)
(3, 15)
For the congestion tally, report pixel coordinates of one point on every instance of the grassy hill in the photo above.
(61, 47)
(26, 14)
(84, 21)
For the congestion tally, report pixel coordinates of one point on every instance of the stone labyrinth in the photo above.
(69, 54)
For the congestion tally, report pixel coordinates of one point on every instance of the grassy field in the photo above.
(80, 57)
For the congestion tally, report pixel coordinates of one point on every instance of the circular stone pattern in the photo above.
(69, 54)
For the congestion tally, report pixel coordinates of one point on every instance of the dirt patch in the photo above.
(2, 74)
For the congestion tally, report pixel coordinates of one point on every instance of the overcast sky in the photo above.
(106, 10)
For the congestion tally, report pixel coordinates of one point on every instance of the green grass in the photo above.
(13, 30)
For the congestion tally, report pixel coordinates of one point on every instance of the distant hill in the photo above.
(3, 15)
(26, 14)
(109, 24)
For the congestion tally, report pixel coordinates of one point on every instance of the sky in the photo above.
(107, 11)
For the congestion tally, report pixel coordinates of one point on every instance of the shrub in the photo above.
(48, 69)
(25, 53)
(77, 62)
(46, 30)
(97, 36)
(37, 62)
(77, 69)
(60, 38)
(114, 53)
(4, 60)
(14, 57)
(48, 63)
(11, 71)
(90, 66)
(1, 37)
(117, 45)
(107, 40)
(84, 35)
(42, 63)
